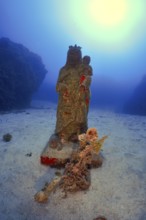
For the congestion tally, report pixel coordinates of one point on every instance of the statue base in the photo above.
(57, 154)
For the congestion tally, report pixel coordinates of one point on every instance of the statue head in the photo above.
(74, 56)
(86, 60)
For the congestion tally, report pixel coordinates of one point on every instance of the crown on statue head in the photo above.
(74, 47)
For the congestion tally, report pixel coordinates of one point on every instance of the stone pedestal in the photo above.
(57, 154)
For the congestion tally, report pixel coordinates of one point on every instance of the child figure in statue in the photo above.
(85, 79)
(87, 67)
(74, 94)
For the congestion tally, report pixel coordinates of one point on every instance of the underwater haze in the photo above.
(34, 39)
(112, 33)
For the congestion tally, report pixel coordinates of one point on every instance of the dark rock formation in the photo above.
(137, 103)
(21, 74)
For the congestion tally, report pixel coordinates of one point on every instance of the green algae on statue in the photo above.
(73, 89)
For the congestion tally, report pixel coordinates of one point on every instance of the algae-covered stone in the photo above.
(7, 137)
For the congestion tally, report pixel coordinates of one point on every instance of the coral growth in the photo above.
(91, 139)
(77, 176)
(43, 195)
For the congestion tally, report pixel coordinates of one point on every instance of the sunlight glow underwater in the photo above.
(107, 23)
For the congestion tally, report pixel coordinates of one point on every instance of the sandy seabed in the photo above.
(118, 188)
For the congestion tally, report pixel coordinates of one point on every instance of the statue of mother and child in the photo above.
(73, 87)
(74, 95)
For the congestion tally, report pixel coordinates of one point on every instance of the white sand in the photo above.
(118, 188)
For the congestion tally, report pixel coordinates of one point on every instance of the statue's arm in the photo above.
(86, 83)
(87, 77)
(61, 85)
(90, 70)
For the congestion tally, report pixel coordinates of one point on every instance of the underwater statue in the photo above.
(73, 88)
(73, 146)
(74, 95)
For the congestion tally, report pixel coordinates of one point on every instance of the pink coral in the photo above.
(91, 134)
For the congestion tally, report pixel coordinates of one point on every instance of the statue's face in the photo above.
(86, 60)
(73, 57)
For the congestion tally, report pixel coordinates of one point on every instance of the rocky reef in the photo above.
(136, 105)
(21, 74)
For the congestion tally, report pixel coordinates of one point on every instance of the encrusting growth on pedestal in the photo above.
(77, 173)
